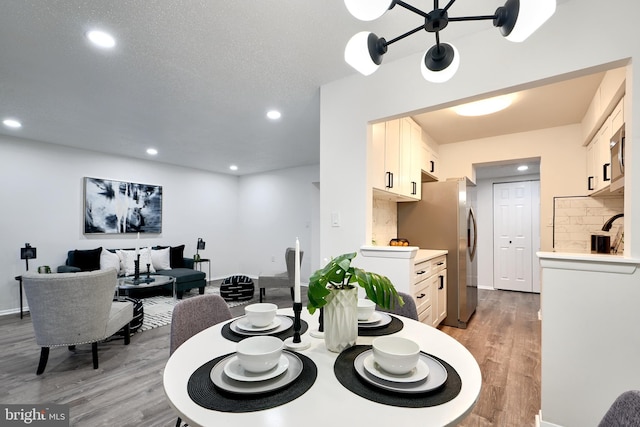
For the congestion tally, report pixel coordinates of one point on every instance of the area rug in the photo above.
(158, 309)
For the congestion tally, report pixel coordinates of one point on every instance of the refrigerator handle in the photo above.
(472, 234)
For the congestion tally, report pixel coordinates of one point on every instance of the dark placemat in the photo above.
(391, 328)
(202, 391)
(228, 333)
(348, 377)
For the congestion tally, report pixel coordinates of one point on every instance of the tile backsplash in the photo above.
(385, 221)
(577, 218)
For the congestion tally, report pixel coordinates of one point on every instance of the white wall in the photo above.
(273, 209)
(42, 194)
(489, 64)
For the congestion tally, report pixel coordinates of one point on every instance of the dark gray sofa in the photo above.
(181, 267)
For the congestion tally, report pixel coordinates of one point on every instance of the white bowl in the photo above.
(259, 354)
(366, 307)
(396, 355)
(261, 314)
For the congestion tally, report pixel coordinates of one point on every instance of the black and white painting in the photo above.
(121, 207)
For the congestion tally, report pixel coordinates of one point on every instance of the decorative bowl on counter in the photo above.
(398, 242)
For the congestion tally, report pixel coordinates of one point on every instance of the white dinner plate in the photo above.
(419, 373)
(222, 381)
(285, 323)
(245, 325)
(437, 376)
(234, 370)
(375, 318)
(385, 319)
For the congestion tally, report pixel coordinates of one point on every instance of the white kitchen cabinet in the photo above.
(430, 158)
(396, 158)
(418, 272)
(599, 156)
(617, 118)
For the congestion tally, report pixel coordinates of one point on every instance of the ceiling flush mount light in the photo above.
(485, 106)
(152, 151)
(517, 20)
(274, 114)
(233, 167)
(12, 123)
(101, 39)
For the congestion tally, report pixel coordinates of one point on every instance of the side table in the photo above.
(19, 279)
(198, 265)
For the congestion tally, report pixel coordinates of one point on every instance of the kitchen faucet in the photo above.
(607, 225)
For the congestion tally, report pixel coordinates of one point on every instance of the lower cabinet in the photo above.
(421, 273)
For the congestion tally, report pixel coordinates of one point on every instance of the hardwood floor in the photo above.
(503, 335)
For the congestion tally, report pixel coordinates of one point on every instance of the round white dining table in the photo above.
(327, 402)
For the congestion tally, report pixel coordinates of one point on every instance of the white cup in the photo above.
(366, 307)
(396, 355)
(259, 354)
(261, 314)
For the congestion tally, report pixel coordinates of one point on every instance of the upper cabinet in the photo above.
(396, 159)
(430, 160)
(600, 125)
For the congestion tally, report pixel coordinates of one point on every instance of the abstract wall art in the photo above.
(121, 207)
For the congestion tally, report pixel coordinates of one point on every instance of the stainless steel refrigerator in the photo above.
(445, 219)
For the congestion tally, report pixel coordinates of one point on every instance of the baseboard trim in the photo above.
(540, 423)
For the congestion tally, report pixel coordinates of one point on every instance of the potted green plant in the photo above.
(334, 288)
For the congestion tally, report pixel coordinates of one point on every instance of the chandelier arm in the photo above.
(446, 8)
(473, 18)
(407, 34)
(411, 8)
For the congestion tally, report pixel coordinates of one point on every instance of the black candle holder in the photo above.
(136, 270)
(296, 342)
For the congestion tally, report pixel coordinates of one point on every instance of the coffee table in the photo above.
(125, 284)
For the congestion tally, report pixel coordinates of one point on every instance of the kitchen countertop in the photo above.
(406, 252)
(588, 262)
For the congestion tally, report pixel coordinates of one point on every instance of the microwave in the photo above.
(617, 163)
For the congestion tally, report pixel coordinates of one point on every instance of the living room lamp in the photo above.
(517, 20)
(27, 253)
(199, 246)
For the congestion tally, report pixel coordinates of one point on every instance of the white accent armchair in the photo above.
(68, 309)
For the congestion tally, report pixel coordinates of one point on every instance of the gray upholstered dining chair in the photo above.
(69, 309)
(194, 315)
(407, 310)
(624, 412)
(281, 280)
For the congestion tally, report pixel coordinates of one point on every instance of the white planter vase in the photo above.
(341, 319)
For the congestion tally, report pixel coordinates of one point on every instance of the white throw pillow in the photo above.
(161, 259)
(127, 261)
(109, 260)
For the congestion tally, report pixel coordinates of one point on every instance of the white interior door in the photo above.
(512, 236)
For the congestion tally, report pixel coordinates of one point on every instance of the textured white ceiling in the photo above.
(192, 78)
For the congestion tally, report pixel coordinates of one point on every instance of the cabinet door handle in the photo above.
(590, 183)
(440, 263)
(441, 282)
(421, 272)
(605, 175)
(433, 166)
(414, 190)
(421, 296)
(389, 182)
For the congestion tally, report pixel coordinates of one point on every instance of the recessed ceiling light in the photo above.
(101, 39)
(12, 123)
(233, 167)
(274, 114)
(485, 106)
(523, 168)
(152, 151)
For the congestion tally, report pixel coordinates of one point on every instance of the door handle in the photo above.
(605, 176)
(421, 296)
(433, 166)
(590, 183)
(414, 190)
(421, 272)
(441, 282)
(389, 182)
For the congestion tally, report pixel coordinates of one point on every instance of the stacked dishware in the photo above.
(397, 364)
(259, 364)
(368, 317)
